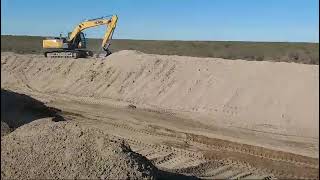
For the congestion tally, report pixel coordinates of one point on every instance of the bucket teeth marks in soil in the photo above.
(140, 72)
(159, 66)
(230, 110)
(166, 87)
(127, 81)
(114, 76)
(105, 75)
(171, 70)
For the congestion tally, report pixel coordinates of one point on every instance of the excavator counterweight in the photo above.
(75, 44)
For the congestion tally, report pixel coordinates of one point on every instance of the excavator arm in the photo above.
(111, 25)
(108, 36)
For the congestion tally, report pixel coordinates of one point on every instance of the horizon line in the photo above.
(137, 39)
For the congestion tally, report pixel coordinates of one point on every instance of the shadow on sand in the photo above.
(19, 109)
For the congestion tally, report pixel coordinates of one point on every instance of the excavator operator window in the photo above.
(83, 40)
(69, 34)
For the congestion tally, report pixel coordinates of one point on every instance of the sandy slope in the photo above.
(186, 105)
(145, 131)
(272, 97)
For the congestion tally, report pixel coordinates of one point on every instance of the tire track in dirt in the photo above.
(258, 152)
(175, 157)
(222, 149)
(178, 156)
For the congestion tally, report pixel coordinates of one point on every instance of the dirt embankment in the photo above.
(278, 98)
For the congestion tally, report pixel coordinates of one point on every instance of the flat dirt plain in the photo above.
(158, 116)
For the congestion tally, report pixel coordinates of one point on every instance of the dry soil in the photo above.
(204, 117)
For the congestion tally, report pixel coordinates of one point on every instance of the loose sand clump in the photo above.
(44, 149)
(5, 129)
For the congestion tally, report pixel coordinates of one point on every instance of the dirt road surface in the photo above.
(206, 117)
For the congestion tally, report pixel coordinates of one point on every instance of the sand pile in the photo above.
(44, 149)
(279, 98)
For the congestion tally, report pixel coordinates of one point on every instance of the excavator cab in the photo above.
(79, 42)
(83, 41)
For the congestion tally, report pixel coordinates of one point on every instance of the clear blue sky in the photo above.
(223, 20)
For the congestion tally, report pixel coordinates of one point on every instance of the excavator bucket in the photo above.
(102, 55)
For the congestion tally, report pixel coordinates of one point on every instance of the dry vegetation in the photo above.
(306, 53)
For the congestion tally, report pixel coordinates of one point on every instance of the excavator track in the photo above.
(68, 54)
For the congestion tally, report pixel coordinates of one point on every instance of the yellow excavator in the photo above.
(74, 45)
